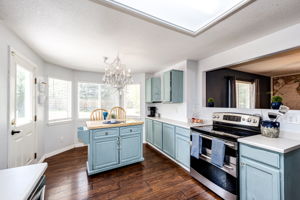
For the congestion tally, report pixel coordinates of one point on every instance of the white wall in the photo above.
(181, 111)
(9, 39)
(278, 41)
(60, 135)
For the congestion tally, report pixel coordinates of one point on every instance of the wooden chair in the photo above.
(97, 114)
(119, 112)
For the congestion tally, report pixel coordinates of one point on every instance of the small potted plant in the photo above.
(276, 102)
(113, 118)
(210, 102)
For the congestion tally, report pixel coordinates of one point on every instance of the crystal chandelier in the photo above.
(116, 74)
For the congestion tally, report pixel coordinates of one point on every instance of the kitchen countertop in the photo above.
(18, 183)
(179, 123)
(284, 144)
(99, 124)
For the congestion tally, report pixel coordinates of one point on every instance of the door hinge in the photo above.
(35, 155)
(35, 118)
(35, 80)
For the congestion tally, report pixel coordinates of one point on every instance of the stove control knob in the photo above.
(243, 119)
(249, 120)
(214, 116)
(254, 120)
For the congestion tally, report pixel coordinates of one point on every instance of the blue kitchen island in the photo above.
(112, 145)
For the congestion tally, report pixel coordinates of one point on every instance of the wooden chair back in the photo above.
(97, 114)
(119, 112)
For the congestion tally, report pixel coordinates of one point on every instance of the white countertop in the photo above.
(286, 142)
(179, 123)
(18, 183)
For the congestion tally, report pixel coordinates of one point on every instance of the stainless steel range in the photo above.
(227, 127)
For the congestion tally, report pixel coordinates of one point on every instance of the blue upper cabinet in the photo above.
(169, 139)
(173, 86)
(153, 90)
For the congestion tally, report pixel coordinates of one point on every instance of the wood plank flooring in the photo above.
(155, 178)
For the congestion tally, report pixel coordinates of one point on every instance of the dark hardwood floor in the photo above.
(155, 178)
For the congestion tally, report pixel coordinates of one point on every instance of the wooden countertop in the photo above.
(99, 124)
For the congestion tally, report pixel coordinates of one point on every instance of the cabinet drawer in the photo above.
(183, 131)
(260, 155)
(103, 133)
(130, 130)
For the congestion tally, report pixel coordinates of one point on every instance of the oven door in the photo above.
(222, 180)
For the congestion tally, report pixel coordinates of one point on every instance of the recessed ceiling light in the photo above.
(189, 16)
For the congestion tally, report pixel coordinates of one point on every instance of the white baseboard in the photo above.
(53, 153)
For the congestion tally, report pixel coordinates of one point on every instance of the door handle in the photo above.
(13, 132)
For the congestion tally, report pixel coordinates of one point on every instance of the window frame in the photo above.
(61, 120)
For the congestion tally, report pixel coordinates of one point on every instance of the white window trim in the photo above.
(62, 120)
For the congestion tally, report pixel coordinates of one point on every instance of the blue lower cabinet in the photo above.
(157, 134)
(259, 181)
(183, 150)
(269, 175)
(105, 152)
(149, 131)
(130, 148)
(169, 139)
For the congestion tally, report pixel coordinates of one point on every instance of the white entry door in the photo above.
(22, 135)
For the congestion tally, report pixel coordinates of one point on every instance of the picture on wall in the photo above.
(288, 87)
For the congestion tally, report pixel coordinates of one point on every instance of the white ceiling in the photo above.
(78, 33)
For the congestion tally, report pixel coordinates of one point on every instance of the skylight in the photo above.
(190, 16)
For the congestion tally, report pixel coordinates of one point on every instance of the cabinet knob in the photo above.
(130, 130)
(106, 133)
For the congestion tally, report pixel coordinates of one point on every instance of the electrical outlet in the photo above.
(293, 119)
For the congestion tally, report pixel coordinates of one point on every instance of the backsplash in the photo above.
(289, 123)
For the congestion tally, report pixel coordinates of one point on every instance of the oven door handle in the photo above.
(210, 138)
(209, 160)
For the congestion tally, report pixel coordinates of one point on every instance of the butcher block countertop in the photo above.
(91, 125)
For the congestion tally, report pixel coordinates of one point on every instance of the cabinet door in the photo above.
(130, 148)
(105, 152)
(148, 90)
(183, 150)
(259, 181)
(169, 139)
(167, 86)
(177, 86)
(157, 134)
(156, 90)
(149, 131)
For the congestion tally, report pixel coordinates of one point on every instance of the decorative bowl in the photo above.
(270, 129)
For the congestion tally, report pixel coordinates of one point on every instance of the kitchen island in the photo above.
(112, 145)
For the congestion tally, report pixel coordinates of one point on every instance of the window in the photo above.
(89, 99)
(245, 94)
(60, 102)
(190, 16)
(132, 103)
(92, 96)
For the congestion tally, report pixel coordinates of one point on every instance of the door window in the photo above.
(24, 81)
